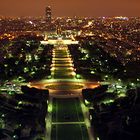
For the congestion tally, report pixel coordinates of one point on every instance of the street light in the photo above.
(78, 76)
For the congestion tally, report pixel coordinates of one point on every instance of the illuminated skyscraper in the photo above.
(48, 14)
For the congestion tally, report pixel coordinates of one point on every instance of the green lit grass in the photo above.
(63, 76)
(67, 110)
(69, 132)
(62, 62)
(61, 70)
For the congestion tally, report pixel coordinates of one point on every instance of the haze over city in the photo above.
(91, 8)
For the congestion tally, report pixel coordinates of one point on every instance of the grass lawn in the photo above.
(69, 132)
(67, 110)
(63, 65)
(62, 62)
(61, 70)
(56, 76)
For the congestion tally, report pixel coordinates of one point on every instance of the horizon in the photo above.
(119, 16)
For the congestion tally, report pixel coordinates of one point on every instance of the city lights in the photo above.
(72, 73)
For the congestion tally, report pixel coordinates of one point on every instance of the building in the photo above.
(59, 30)
(48, 14)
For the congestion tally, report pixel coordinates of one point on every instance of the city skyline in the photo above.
(89, 8)
(69, 70)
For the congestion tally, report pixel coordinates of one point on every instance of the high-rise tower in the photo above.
(48, 14)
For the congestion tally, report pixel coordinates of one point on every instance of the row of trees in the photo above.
(26, 111)
(27, 58)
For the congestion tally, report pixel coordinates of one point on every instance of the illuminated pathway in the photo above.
(62, 65)
(63, 74)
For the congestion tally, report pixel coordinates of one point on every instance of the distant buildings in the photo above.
(48, 14)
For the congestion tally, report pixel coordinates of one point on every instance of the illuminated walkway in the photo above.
(62, 65)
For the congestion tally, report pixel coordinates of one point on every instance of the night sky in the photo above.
(90, 8)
